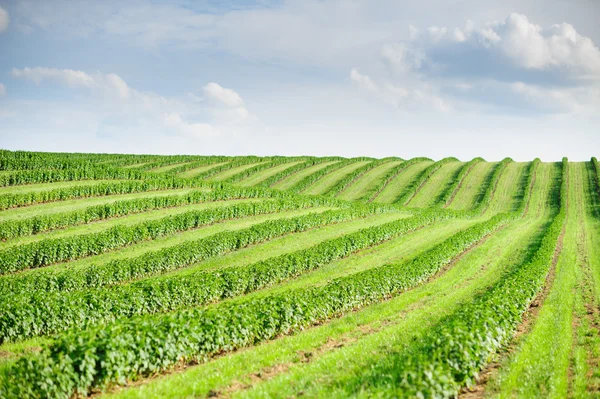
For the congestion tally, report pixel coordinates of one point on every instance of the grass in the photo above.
(232, 171)
(127, 220)
(362, 185)
(27, 188)
(289, 181)
(473, 186)
(401, 182)
(435, 186)
(507, 196)
(200, 169)
(166, 168)
(82, 203)
(304, 363)
(326, 182)
(265, 174)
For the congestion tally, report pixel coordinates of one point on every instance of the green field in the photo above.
(131, 276)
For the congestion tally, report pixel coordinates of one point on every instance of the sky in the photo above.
(303, 77)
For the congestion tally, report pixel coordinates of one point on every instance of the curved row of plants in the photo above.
(196, 164)
(94, 189)
(453, 353)
(486, 199)
(49, 251)
(30, 160)
(449, 194)
(44, 222)
(122, 270)
(312, 178)
(275, 161)
(235, 162)
(386, 179)
(79, 361)
(410, 191)
(311, 161)
(21, 319)
(350, 178)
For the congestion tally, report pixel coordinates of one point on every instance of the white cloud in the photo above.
(223, 96)
(4, 19)
(2, 90)
(121, 104)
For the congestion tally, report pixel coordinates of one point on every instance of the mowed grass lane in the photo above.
(371, 177)
(325, 183)
(397, 186)
(127, 220)
(550, 359)
(262, 175)
(27, 188)
(291, 180)
(509, 190)
(435, 186)
(473, 186)
(200, 169)
(233, 171)
(49, 208)
(310, 362)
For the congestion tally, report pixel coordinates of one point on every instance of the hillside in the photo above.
(190, 276)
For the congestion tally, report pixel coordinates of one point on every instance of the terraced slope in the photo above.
(250, 277)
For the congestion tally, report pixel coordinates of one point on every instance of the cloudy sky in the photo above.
(329, 77)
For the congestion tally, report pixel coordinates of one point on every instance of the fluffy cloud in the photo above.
(123, 105)
(508, 64)
(4, 19)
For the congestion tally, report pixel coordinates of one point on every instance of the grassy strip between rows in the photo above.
(95, 190)
(237, 161)
(20, 317)
(275, 161)
(464, 171)
(188, 165)
(79, 361)
(351, 177)
(376, 189)
(41, 223)
(453, 353)
(486, 199)
(414, 187)
(81, 308)
(49, 251)
(312, 178)
(276, 178)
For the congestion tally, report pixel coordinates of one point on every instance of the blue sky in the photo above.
(377, 78)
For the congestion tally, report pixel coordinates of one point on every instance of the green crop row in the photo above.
(350, 178)
(21, 319)
(485, 200)
(464, 171)
(27, 160)
(142, 345)
(235, 162)
(454, 352)
(49, 251)
(84, 172)
(196, 164)
(311, 161)
(274, 161)
(391, 174)
(40, 223)
(416, 184)
(312, 178)
(533, 166)
(94, 190)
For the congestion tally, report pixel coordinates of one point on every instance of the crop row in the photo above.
(275, 161)
(416, 184)
(313, 177)
(311, 161)
(492, 183)
(347, 180)
(49, 251)
(40, 223)
(531, 172)
(376, 188)
(20, 318)
(453, 353)
(196, 164)
(22, 160)
(464, 171)
(235, 162)
(143, 345)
